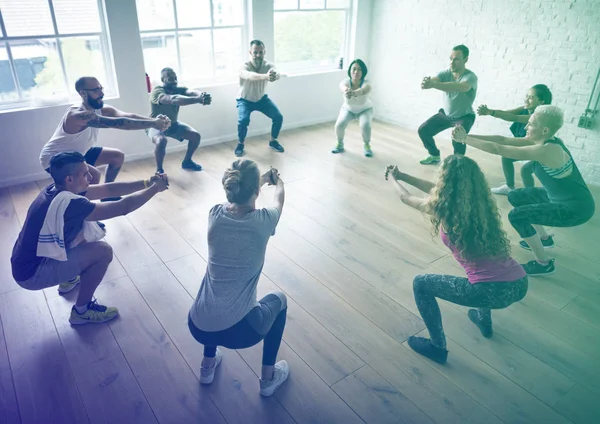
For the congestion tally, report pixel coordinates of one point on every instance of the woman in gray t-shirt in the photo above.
(226, 311)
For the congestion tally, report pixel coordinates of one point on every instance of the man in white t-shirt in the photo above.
(78, 130)
(253, 80)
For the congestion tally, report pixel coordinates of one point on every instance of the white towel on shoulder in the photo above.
(51, 242)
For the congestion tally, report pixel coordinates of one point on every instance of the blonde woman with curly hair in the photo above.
(226, 311)
(464, 214)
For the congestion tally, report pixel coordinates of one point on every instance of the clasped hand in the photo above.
(162, 122)
(161, 181)
(459, 134)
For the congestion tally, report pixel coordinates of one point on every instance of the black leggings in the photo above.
(265, 321)
(532, 206)
(484, 296)
(508, 168)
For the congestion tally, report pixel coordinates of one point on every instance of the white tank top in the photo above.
(62, 141)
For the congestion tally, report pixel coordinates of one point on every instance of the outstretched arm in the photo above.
(407, 198)
(128, 204)
(513, 115)
(84, 119)
(451, 87)
(537, 152)
(423, 185)
(101, 191)
(181, 99)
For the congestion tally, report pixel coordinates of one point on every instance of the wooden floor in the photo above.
(345, 253)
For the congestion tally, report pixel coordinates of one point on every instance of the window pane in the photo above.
(77, 16)
(228, 12)
(228, 52)
(38, 68)
(155, 14)
(160, 51)
(31, 17)
(196, 57)
(83, 57)
(312, 38)
(286, 4)
(193, 13)
(8, 91)
(338, 4)
(312, 4)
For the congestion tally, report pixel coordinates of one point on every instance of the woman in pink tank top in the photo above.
(464, 213)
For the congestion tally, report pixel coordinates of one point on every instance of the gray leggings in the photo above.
(508, 168)
(484, 296)
(364, 119)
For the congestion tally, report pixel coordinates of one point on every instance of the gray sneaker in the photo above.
(281, 373)
(207, 375)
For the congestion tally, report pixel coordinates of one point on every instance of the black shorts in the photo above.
(91, 156)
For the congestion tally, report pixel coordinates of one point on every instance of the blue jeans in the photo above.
(264, 105)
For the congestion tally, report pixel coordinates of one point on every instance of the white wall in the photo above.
(303, 100)
(514, 44)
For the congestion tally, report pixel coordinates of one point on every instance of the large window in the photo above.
(201, 39)
(45, 45)
(311, 34)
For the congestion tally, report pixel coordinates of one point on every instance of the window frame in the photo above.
(298, 69)
(214, 80)
(105, 48)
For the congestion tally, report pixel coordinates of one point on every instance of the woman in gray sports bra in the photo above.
(564, 199)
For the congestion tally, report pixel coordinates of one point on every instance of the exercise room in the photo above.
(299, 211)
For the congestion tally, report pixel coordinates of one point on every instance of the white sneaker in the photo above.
(503, 189)
(207, 375)
(281, 373)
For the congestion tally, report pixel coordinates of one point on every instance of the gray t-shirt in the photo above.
(457, 104)
(236, 254)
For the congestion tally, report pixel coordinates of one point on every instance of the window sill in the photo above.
(26, 106)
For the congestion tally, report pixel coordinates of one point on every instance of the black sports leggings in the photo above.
(532, 206)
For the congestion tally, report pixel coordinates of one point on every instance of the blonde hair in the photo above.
(241, 181)
(461, 203)
(550, 116)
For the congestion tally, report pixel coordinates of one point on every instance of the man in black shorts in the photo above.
(165, 100)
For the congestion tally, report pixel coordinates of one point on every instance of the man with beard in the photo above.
(459, 86)
(166, 99)
(253, 80)
(78, 130)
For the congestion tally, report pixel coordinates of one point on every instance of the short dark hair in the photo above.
(462, 48)
(167, 69)
(363, 68)
(543, 93)
(81, 83)
(63, 164)
(256, 42)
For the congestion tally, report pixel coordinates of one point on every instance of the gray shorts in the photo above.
(177, 130)
(51, 272)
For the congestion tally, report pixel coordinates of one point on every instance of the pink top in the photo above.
(487, 270)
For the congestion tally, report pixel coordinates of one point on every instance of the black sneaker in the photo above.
(276, 146)
(424, 347)
(536, 268)
(485, 328)
(548, 244)
(191, 165)
(111, 199)
(160, 171)
(239, 150)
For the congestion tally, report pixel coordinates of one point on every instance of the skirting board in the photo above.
(175, 148)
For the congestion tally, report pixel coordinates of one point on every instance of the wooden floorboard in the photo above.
(345, 253)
